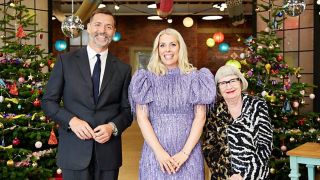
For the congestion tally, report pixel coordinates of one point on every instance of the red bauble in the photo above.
(279, 58)
(15, 141)
(37, 103)
(218, 37)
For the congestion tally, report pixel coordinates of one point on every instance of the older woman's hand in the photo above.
(236, 177)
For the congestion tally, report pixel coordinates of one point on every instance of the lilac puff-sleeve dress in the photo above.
(170, 101)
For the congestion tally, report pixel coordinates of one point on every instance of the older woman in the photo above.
(238, 134)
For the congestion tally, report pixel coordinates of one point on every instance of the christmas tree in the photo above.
(27, 137)
(270, 77)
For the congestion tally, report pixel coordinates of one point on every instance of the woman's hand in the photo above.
(166, 162)
(180, 158)
(236, 177)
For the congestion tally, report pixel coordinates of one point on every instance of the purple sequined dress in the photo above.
(170, 100)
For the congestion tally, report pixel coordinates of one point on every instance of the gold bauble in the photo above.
(10, 163)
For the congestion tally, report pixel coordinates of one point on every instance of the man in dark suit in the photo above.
(95, 111)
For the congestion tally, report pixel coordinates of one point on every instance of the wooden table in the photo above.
(309, 154)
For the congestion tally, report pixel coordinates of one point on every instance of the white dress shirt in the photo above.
(93, 59)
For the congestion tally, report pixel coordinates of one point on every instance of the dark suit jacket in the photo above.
(70, 81)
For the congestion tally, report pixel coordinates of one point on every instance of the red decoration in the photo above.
(164, 8)
(13, 89)
(301, 121)
(37, 102)
(52, 139)
(279, 58)
(49, 62)
(218, 37)
(15, 141)
(20, 32)
(41, 36)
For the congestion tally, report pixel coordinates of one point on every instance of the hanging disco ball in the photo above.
(72, 26)
(294, 7)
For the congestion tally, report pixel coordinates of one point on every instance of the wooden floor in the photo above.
(132, 141)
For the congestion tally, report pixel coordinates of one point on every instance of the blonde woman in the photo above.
(169, 100)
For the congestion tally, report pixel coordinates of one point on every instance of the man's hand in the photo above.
(81, 128)
(103, 133)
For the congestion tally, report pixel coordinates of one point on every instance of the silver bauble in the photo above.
(72, 26)
(294, 7)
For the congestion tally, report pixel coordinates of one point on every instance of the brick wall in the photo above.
(138, 32)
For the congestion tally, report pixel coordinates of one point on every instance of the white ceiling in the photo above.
(139, 7)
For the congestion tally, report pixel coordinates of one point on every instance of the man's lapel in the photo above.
(108, 72)
(84, 66)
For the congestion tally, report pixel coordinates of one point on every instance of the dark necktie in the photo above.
(96, 78)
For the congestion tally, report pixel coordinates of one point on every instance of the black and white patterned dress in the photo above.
(242, 145)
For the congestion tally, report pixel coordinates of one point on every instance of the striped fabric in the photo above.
(242, 145)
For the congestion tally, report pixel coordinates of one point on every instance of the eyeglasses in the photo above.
(232, 82)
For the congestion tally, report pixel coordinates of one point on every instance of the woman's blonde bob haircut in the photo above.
(228, 70)
(155, 64)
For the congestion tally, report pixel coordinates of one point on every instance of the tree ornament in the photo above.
(298, 76)
(267, 29)
(42, 118)
(295, 104)
(318, 119)
(52, 65)
(294, 7)
(292, 139)
(72, 26)
(302, 92)
(21, 80)
(272, 171)
(279, 57)
(10, 163)
(312, 96)
(287, 107)
(59, 171)
(264, 93)
(38, 144)
(52, 139)
(273, 98)
(242, 55)
(280, 14)
(271, 47)
(302, 101)
(20, 32)
(1, 125)
(275, 116)
(268, 67)
(19, 107)
(15, 141)
(41, 35)
(34, 164)
(283, 148)
(37, 102)
(9, 105)
(13, 89)
(1, 99)
(30, 77)
(41, 65)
